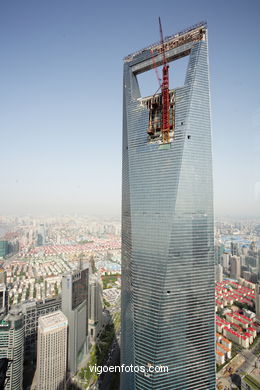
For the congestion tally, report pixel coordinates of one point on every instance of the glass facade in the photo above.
(75, 307)
(3, 248)
(12, 348)
(168, 299)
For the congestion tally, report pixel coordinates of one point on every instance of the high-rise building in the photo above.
(3, 248)
(11, 348)
(219, 250)
(75, 307)
(95, 307)
(32, 310)
(2, 275)
(258, 264)
(235, 249)
(168, 297)
(3, 300)
(257, 301)
(218, 273)
(235, 267)
(41, 235)
(3, 294)
(52, 351)
(225, 260)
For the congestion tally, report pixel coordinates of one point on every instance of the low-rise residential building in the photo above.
(226, 351)
(223, 349)
(236, 337)
(220, 357)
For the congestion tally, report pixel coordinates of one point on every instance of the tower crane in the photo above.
(165, 123)
(161, 107)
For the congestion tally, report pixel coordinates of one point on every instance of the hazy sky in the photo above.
(61, 99)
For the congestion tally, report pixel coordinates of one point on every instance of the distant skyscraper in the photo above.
(52, 351)
(168, 297)
(3, 300)
(235, 249)
(41, 235)
(257, 301)
(225, 260)
(75, 307)
(218, 273)
(235, 267)
(95, 307)
(3, 248)
(11, 347)
(258, 264)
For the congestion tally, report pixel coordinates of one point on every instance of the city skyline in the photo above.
(60, 155)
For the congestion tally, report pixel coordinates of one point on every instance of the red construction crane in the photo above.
(165, 123)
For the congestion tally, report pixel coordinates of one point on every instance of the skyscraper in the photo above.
(235, 267)
(11, 347)
(74, 304)
(168, 297)
(32, 310)
(41, 235)
(3, 248)
(218, 273)
(52, 351)
(95, 307)
(257, 301)
(3, 293)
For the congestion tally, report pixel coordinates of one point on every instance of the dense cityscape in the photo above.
(36, 253)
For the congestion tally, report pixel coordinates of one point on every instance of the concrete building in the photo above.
(257, 302)
(168, 293)
(226, 351)
(75, 307)
(236, 337)
(95, 308)
(2, 275)
(235, 267)
(220, 357)
(218, 273)
(11, 347)
(225, 260)
(52, 351)
(246, 275)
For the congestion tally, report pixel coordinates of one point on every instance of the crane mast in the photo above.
(165, 123)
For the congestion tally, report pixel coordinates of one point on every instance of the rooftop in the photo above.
(175, 37)
(52, 320)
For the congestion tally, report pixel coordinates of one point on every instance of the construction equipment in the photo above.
(165, 94)
(159, 106)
